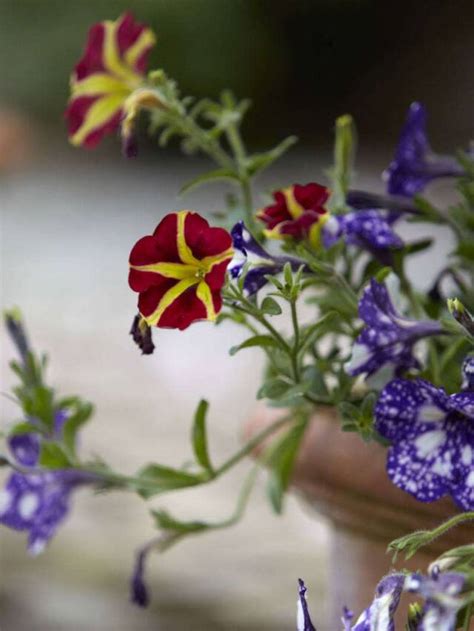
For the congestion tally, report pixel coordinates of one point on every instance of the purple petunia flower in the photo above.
(261, 262)
(379, 615)
(303, 619)
(367, 229)
(388, 337)
(432, 440)
(442, 601)
(38, 501)
(415, 164)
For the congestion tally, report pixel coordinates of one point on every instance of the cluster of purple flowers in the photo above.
(440, 591)
(36, 500)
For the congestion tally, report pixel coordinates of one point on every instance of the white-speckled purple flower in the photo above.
(379, 615)
(38, 501)
(388, 337)
(441, 593)
(260, 262)
(370, 230)
(432, 440)
(415, 164)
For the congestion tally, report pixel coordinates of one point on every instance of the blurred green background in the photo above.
(303, 62)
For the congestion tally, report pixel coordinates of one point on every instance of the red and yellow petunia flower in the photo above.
(113, 66)
(179, 271)
(298, 213)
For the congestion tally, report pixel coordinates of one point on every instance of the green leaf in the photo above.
(273, 389)
(211, 176)
(23, 428)
(82, 412)
(160, 479)
(52, 456)
(260, 161)
(417, 246)
(281, 463)
(466, 250)
(165, 521)
(293, 396)
(270, 306)
(199, 436)
(256, 340)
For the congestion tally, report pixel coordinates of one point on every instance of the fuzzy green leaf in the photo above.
(281, 463)
(270, 306)
(160, 479)
(256, 340)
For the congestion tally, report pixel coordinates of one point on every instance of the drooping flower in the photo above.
(432, 440)
(379, 615)
(111, 69)
(38, 501)
(415, 164)
(179, 271)
(441, 593)
(298, 213)
(141, 334)
(260, 262)
(368, 229)
(388, 337)
(303, 619)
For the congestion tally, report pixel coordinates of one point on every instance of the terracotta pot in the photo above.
(344, 479)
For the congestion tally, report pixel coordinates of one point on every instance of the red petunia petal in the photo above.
(148, 300)
(184, 311)
(194, 227)
(299, 228)
(166, 238)
(77, 111)
(128, 32)
(311, 196)
(92, 60)
(211, 242)
(216, 277)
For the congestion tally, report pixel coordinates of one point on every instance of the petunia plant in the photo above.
(397, 364)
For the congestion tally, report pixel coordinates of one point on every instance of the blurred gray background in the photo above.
(68, 220)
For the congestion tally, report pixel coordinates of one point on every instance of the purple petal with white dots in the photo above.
(303, 622)
(379, 615)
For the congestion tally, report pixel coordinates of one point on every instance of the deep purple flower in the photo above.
(38, 501)
(303, 620)
(442, 601)
(138, 590)
(367, 229)
(415, 164)
(379, 615)
(432, 440)
(260, 262)
(388, 337)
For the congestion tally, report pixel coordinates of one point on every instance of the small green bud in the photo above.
(158, 77)
(414, 616)
(461, 315)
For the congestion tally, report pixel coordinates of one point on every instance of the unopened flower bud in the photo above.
(461, 314)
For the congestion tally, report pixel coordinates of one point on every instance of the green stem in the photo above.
(240, 156)
(414, 541)
(296, 341)
(207, 145)
(467, 617)
(251, 445)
